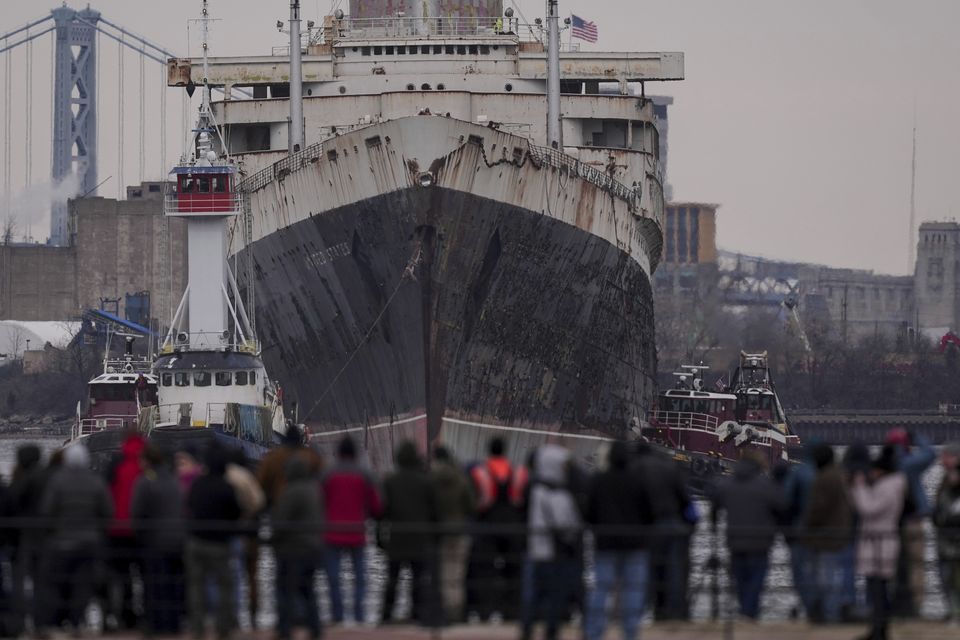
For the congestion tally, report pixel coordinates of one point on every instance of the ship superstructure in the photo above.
(436, 261)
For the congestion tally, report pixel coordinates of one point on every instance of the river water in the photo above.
(778, 601)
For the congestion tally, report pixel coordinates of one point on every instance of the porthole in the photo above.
(411, 87)
(508, 87)
(425, 87)
(441, 87)
(343, 89)
(309, 92)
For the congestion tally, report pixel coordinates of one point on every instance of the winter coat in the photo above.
(349, 497)
(123, 476)
(671, 498)
(619, 499)
(212, 506)
(453, 493)
(755, 506)
(272, 470)
(297, 513)
(913, 465)
(552, 517)
(828, 519)
(879, 505)
(78, 504)
(946, 516)
(157, 510)
(410, 508)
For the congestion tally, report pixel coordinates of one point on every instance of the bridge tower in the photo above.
(74, 107)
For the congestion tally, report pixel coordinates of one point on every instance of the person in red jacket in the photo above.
(350, 497)
(124, 554)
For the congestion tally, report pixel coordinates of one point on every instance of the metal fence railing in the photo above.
(148, 572)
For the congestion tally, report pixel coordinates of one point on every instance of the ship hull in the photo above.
(438, 313)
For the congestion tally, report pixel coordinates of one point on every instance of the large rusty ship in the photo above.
(451, 232)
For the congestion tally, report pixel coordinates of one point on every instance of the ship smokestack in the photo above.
(426, 8)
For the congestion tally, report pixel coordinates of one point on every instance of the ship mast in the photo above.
(296, 80)
(554, 133)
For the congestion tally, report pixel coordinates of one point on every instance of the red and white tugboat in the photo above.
(710, 430)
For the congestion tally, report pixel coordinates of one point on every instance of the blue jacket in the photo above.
(914, 464)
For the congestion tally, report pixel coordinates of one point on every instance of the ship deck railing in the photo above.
(406, 27)
(686, 420)
(223, 203)
(209, 341)
(90, 426)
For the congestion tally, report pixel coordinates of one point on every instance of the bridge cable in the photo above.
(142, 123)
(8, 100)
(163, 123)
(120, 119)
(28, 131)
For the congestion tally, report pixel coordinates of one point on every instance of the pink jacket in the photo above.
(878, 539)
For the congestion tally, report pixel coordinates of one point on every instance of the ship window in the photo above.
(425, 49)
(241, 377)
(401, 51)
(485, 49)
(449, 49)
(182, 379)
(166, 379)
(437, 49)
(378, 51)
(462, 50)
(220, 184)
(201, 379)
(390, 51)
(204, 185)
(365, 51)
(253, 377)
(224, 378)
(188, 185)
(473, 50)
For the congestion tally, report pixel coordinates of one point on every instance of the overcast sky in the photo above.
(795, 117)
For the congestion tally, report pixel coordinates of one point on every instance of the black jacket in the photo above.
(410, 508)
(619, 507)
(212, 507)
(754, 506)
(157, 510)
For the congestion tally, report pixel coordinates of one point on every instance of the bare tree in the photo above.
(9, 229)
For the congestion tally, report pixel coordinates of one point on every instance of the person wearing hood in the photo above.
(619, 507)
(755, 506)
(879, 501)
(297, 520)
(77, 504)
(157, 516)
(455, 508)
(409, 516)
(272, 470)
(553, 541)
(212, 507)
(125, 556)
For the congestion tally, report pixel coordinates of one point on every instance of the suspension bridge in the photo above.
(107, 99)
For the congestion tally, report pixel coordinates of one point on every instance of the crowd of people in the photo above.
(165, 540)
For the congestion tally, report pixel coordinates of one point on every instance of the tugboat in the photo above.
(115, 399)
(212, 381)
(710, 430)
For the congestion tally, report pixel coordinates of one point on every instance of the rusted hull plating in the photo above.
(437, 315)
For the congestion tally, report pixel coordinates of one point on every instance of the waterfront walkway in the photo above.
(664, 631)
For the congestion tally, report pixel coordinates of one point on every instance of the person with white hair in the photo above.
(78, 505)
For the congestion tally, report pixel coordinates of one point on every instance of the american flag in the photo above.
(720, 384)
(583, 29)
